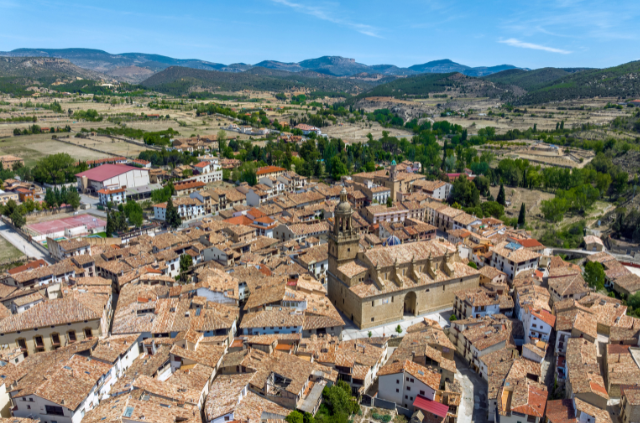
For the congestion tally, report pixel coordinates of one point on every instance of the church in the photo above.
(384, 284)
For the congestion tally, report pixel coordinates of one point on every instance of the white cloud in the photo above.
(517, 43)
(319, 13)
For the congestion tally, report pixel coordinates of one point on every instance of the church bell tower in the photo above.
(343, 239)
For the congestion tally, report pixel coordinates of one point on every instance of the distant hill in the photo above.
(178, 80)
(439, 66)
(527, 80)
(426, 84)
(45, 70)
(102, 61)
(618, 81)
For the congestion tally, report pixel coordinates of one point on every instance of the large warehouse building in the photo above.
(112, 176)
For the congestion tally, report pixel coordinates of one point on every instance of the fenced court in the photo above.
(57, 228)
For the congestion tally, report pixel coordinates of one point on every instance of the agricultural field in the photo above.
(108, 145)
(357, 132)
(34, 147)
(532, 200)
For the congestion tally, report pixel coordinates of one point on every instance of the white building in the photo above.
(207, 171)
(511, 258)
(537, 324)
(119, 351)
(307, 129)
(115, 196)
(438, 190)
(260, 194)
(188, 208)
(112, 176)
(72, 389)
(404, 382)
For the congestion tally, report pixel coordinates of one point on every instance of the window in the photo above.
(397, 382)
(408, 388)
(412, 380)
(54, 410)
(397, 390)
(72, 336)
(373, 319)
(88, 333)
(406, 397)
(422, 393)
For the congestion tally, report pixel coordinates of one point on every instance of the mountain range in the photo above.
(136, 67)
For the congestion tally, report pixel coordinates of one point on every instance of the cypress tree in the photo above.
(444, 155)
(172, 217)
(521, 216)
(110, 224)
(501, 196)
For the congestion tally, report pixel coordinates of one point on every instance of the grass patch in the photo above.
(8, 251)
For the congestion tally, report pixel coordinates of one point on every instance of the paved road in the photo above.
(474, 402)
(352, 332)
(20, 243)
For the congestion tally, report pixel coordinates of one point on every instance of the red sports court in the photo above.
(59, 225)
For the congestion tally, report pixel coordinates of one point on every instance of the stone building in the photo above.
(411, 278)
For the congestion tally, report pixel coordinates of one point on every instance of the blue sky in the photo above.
(532, 33)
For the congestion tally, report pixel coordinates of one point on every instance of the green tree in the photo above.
(18, 219)
(464, 192)
(634, 301)
(444, 156)
(338, 168)
(171, 216)
(594, 275)
(501, 196)
(472, 264)
(295, 417)
(111, 227)
(452, 318)
(339, 400)
(186, 261)
(133, 211)
(55, 169)
(399, 329)
(521, 216)
(389, 202)
(492, 208)
(370, 334)
(73, 198)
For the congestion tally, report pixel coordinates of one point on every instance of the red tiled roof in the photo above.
(110, 191)
(269, 169)
(264, 270)
(32, 265)
(239, 220)
(201, 164)
(256, 213)
(545, 316)
(107, 171)
(431, 406)
(598, 388)
(305, 127)
(529, 243)
(187, 185)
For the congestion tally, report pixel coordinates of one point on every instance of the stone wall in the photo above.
(104, 241)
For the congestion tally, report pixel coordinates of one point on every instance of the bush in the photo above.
(383, 417)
